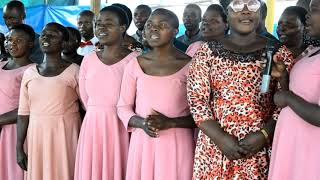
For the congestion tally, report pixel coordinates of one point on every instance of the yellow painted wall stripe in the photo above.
(271, 14)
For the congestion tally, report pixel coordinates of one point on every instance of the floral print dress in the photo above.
(224, 86)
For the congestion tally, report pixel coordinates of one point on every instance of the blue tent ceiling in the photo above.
(29, 3)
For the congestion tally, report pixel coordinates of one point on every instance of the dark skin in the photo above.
(290, 31)
(242, 39)
(213, 27)
(69, 54)
(163, 60)
(13, 16)
(140, 17)
(108, 23)
(52, 44)
(85, 26)
(309, 112)
(19, 45)
(191, 20)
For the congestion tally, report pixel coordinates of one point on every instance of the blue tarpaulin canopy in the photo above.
(29, 3)
(40, 15)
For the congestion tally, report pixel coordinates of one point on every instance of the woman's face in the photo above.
(108, 29)
(158, 31)
(72, 45)
(290, 29)
(313, 25)
(18, 43)
(212, 25)
(244, 15)
(51, 39)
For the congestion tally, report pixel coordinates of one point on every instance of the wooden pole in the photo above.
(95, 6)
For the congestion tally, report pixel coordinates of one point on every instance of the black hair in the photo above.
(264, 10)
(87, 13)
(300, 12)
(304, 3)
(60, 28)
(171, 16)
(14, 4)
(145, 7)
(2, 39)
(220, 10)
(224, 3)
(196, 7)
(26, 29)
(75, 32)
(120, 13)
(126, 10)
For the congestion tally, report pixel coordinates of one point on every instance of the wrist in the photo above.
(288, 96)
(265, 135)
(19, 146)
(172, 122)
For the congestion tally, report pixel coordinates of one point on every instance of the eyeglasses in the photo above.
(238, 5)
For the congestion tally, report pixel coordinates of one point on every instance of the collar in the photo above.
(190, 37)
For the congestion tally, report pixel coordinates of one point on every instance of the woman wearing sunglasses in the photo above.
(235, 119)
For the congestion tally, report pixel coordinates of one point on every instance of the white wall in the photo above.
(178, 6)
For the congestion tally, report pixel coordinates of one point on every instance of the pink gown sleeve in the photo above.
(199, 86)
(24, 101)
(76, 79)
(127, 95)
(82, 82)
(192, 49)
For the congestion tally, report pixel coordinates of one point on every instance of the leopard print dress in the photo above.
(225, 86)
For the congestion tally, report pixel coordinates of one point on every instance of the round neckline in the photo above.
(37, 70)
(166, 76)
(127, 56)
(19, 68)
(235, 52)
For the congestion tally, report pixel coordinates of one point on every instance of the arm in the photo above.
(82, 83)
(183, 122)
(22, 127)
(199, 90)
(22, 122)
(9, 117)
(308, 111)
(159, 121)
(127, 99)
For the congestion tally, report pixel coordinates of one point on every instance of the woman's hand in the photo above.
(253, 143)
(278, 67)
(22, 159)
(229, 146)
(158, 121)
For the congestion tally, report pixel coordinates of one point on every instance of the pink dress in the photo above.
(296, 148)
(54, 124)
(9, 100)
(170, 156)
(193, 48)
(104, 142)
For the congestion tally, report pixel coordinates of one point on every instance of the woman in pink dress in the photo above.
(20, 39)
(214, 26)
(104, 141)
(153, 106)
(296, 149)
(49, 111)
